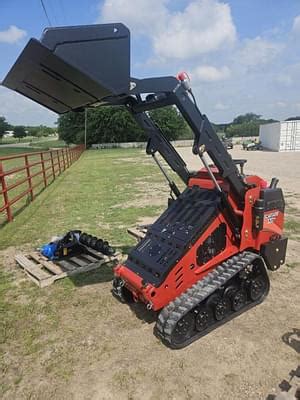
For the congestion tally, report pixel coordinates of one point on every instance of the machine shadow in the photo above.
(105, 274)
(142, 313)
(101, 275)
(292, 339)
(125, 249)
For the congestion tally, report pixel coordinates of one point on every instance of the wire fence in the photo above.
(24, 176)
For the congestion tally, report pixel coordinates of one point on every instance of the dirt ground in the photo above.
(116, 356)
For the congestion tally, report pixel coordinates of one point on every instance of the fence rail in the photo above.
(23, 176)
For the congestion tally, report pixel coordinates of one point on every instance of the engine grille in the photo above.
(170, 236)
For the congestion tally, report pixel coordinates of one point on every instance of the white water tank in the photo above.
(281, 136)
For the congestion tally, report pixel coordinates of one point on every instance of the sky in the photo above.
(241, 55)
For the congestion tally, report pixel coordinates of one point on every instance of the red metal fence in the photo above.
(23, 176)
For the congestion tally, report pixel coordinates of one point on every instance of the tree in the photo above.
(248, 117)
(39, 131)
(244, 129)
(4, 126)
(32, 130)
(171, 122)
(116, 124)
(292, 118)
(19, 132)
(71, 127)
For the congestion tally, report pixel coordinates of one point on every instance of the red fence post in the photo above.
(5, 195)
(68, 157)
(58, 158)
(43, 169)
(63, 157)
(28, 176)
(52, 164)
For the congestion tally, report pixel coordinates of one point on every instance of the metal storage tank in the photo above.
(281, 136)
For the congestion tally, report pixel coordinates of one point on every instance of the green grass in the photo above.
(50, 144)
(44, 330)
(91, 195)
(12, 140)
(26, 139)
(34, 146)
(292, 226)
(9, 151)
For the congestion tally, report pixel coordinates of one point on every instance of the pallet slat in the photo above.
(138, 232)
(77, 261)
(44, 272)
(88, 257)
(66, 265)
(50, 266)
(30, 267)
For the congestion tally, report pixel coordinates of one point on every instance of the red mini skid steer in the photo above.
(204, 260)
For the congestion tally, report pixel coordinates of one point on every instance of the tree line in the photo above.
(116, 124)
(20, 131)
(244, 125)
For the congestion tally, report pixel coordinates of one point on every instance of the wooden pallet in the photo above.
(139, 232)
(44, 272)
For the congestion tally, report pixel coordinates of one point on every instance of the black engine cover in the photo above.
(169, 238)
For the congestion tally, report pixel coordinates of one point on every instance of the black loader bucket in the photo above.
(73, 67)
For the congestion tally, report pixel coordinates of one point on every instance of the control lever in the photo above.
(274, 183)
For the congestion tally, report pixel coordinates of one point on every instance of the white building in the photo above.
(280, 136)
(8, 134)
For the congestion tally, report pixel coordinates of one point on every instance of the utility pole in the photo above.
(85, 125)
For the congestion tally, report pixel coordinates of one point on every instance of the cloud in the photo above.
(221, 106)
(208, 73)
(19, 110)
(296, 24)
(281, 104)
(141, 16)
(202, 27)
(284, 79)
(12, 35)
(259, 51)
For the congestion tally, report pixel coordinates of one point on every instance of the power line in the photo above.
(45, 11)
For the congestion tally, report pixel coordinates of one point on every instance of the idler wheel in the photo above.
(203, 318)
(257, 287)
(221, 308)
(184, 328)
(239, 299)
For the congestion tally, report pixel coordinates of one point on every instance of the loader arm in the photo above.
(71, 68)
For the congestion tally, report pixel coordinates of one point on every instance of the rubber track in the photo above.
(192, 297)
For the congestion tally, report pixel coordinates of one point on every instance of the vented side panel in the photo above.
(170, 236)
